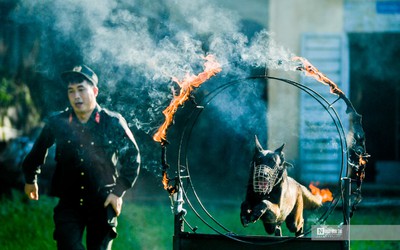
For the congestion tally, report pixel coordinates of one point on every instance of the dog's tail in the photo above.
(310, 201)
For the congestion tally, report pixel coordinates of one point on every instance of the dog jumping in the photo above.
(273, 196)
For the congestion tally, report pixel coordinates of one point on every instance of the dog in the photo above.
(273, 196)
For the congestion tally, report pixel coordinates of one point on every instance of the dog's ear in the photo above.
(288, 165)
(279, 150)
(258, 144)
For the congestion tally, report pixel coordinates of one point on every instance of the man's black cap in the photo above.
(81, 70)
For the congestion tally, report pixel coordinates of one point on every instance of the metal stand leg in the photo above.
(178, 210)
(178, 221)
(346, 212)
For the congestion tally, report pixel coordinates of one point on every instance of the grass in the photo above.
(28, 225)
(372, 216)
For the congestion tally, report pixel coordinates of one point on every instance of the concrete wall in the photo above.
(372, 16)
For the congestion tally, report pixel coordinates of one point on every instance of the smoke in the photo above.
(138, 46)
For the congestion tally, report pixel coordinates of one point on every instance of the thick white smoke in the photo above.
(146, 43)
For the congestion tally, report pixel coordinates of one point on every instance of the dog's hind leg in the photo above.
(272, 228)
(295, 224)
(295, 220)
(269, 227)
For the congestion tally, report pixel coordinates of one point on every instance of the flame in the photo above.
(165, 180)
(211, 68)
(362, 161)
(325, 193)
(310, 70)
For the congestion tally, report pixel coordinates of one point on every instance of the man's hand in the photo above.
(32, 191)
(116, 203)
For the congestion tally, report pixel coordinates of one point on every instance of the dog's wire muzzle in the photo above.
(264, 178)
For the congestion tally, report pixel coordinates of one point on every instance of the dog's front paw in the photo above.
(258, 211)
(271, 212)
(245, 212)
(245, 220)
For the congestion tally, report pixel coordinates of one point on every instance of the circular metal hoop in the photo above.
(183, 162)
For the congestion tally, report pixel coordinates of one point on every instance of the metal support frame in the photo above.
(346, 187)
(185, 240)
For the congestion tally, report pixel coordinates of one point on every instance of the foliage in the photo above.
(16, 95)
(6, 91)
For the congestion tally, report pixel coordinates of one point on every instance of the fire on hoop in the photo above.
(358, 154)
(211, 68)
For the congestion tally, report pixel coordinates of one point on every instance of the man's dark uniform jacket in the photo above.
(93, 159)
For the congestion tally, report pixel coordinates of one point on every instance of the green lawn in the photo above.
(28, 225)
